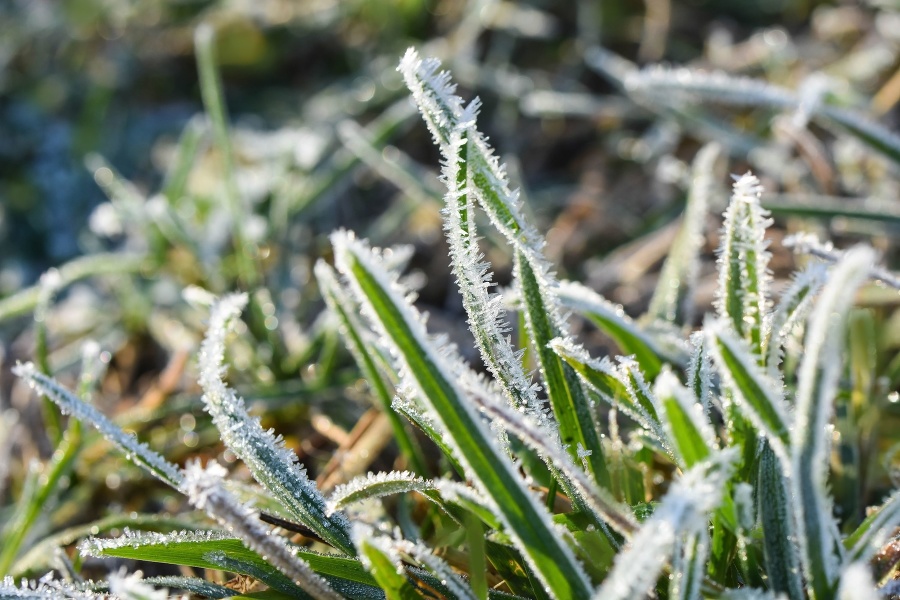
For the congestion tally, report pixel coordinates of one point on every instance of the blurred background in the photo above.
(150, 145)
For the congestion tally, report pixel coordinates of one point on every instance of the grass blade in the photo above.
(818, 376)
(773, 497)
(685, 421)
(433, 375)
(381, 559)
(872, 533)
(271, 464)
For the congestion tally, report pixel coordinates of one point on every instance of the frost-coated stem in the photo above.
(204, 489)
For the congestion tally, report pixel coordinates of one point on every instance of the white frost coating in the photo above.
(808, 243)
(484, 309)
(136, 451)
(668, 386)
(204, 489)
(791, 311)
(375, 485)
(433, 92)
(777, 420)
(818, 374)
(132, 587)
(458, 587)
(45, 589)
(349, 251)
(97, 547)
(857, 583)
(689, 565)
(275, 467)
(743, 262)
(684, 510)
(365, 535)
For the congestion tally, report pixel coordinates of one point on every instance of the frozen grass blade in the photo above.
(671, 298)
(380, 558)
(808, 243)
(878, 527)
(755, 396)
(340, 303)
(44, 590)
(779, 535)
(699, 371)
(433, 374)
(444, 114)
(69, 403)
(612, 320)
(683, 511)
(689, 566)
(271, 464)
(203, 487)
(685, 421)
(743, 264)
(791, 312)
(375, 485)
(857, 584)
(818, 375)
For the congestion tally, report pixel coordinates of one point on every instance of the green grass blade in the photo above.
(382, 561)
(790, 312)
(818, 375)
(433, 375)
(756, 396)
(271, 464)
(340, 303)
(577, 429)
(69, 403)
(376, 485)
(743, 264)
(612, 320)
(781, 558)
(874, 531)
(671, 297)
(685, 421)
(689, 566)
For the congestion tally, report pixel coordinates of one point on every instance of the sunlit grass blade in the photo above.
(433, 373)
(612, 320)
(756, 396)
(194, 585)
(872, 533)
(69, 403)
(818, 375)
(779, 548)
(456, 585)
(375, 485)
(685, 421)
(684, 510)
(275, 467)
(743, 264)
(210, 549)
(671, 298)
(343, 307)
(857, 584)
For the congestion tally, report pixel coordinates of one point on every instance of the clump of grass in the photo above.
(721, 489)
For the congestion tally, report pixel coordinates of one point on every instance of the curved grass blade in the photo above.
(612, 320)
(433, 375)
(271, 464)
(376, 485)
(792, 309)
(818, 375)
(683, 511)
(781, 558)
(380, 558)
(689, 566)
(671, 298)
